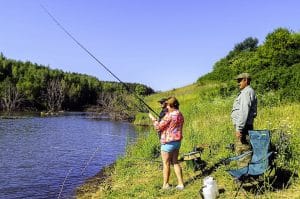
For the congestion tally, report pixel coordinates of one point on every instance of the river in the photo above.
(48, 157)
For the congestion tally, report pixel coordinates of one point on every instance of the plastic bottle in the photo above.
(210, 188)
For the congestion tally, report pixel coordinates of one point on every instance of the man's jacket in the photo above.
(244, 108)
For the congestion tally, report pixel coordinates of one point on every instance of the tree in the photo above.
(249, 44)
(106, 102)
(281, 48)
(11, 98)
(55, 95)
(120, 106)
(140, 90)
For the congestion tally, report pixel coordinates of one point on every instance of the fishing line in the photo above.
(88, 162)
(82, 171)
(97, 60)
(85, 166)
(63, 184)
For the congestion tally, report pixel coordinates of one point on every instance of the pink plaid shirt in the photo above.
(170, 126)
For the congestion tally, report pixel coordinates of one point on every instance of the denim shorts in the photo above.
(171, 146)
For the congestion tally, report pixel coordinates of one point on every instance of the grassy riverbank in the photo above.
(207, 116)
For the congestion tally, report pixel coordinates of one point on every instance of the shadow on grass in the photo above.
(205, 171)
(281, 179)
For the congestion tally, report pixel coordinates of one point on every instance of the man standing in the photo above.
(163, 111)
(243, 112)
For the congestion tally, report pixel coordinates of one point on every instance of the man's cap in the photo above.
(162, 100)
(243, 76)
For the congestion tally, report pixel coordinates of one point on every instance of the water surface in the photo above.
(49, 157)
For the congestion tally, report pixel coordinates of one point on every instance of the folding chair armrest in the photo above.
(260, 160)
(237, 157)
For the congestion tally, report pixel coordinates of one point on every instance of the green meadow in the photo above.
(207, 123)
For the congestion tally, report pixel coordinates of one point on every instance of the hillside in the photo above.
(275, 66)
(207, 116)
(206, 106)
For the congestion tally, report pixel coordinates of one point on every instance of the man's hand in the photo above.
(238, 134)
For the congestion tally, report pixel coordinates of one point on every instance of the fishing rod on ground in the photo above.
(95, 58)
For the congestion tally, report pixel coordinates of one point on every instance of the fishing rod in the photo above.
(95, 58)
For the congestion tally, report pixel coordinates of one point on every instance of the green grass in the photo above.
(207, 121)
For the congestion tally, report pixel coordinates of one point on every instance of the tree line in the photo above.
(26, 86)
(274, 66)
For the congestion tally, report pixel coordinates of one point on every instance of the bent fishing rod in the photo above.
(95, 58)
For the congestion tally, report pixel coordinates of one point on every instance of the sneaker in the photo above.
(180, 187)
(166, 187)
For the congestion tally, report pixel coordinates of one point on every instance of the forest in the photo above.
(26, 86)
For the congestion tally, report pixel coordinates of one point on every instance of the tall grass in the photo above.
(207, 121)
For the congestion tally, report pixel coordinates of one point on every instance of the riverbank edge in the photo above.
(103, 177)
(93, 184)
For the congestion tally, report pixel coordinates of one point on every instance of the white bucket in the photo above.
(210, 188)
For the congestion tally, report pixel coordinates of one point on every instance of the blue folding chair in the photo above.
(259, 164)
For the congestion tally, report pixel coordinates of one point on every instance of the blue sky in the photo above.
(164, 44)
